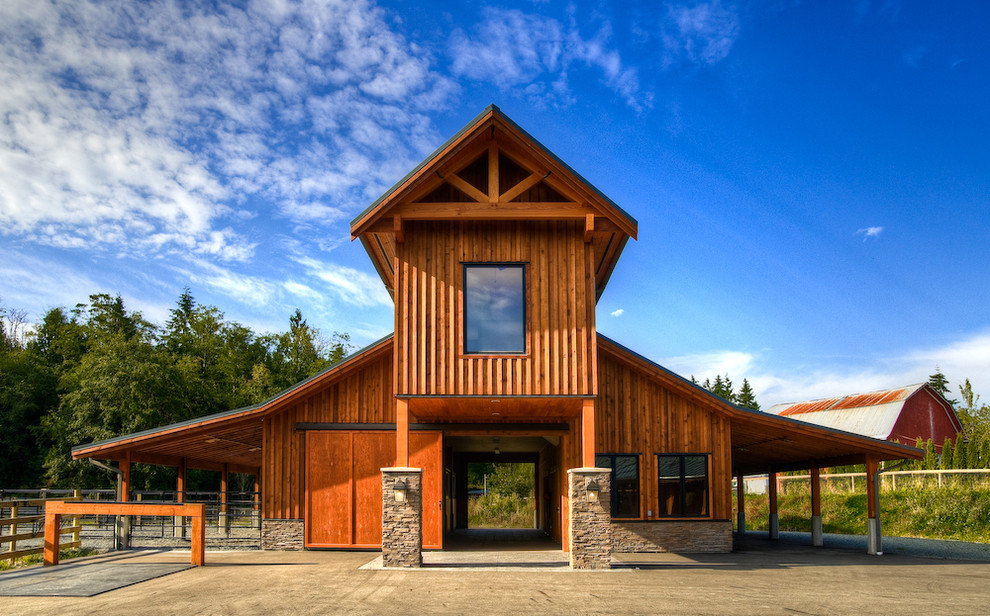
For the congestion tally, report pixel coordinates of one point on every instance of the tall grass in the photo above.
(495, 510)
(953, 511)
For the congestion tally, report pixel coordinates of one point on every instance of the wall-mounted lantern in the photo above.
(594, 490)
(401, 489)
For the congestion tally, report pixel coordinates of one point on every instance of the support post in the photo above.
(817, 536)
(53, 526)
(179, 523)
(402, 517)
(12, 545)
(122, 528)
(223, 524)
(75, 520)
(874, 541)
(589, 518)
(774, 519)
(401, 433)
(256, 511)
(588, 433)
(740, 505)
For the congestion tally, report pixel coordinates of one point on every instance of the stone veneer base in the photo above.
(282, 535)
(688, 536)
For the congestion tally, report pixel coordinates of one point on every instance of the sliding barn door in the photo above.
(344, 486)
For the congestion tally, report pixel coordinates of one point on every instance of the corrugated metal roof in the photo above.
(871, 414)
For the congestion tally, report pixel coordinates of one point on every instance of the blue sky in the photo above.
(811, 179)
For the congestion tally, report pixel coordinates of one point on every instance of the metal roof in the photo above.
(871, 414)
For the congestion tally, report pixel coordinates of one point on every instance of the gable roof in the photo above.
(873, 414)
(493, 170)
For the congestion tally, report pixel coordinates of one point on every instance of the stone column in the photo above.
(402, 521)
(590, 521)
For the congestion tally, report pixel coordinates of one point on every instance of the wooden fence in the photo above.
(17, 532)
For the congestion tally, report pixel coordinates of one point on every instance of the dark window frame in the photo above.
(614, 505)
(523, 266)
(683, 491)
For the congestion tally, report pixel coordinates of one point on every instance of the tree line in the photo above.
(99, 370)
(971, 449)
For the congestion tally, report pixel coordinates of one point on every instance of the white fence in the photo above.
(853, 482)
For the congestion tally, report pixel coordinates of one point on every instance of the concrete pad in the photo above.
(83, 578)
(764, 577)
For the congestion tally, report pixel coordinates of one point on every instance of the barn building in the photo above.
(902, 414)
(495, 253)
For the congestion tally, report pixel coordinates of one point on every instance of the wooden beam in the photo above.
(871, 493)
(740, 505)
(816, 491)
(180, 483)
(493, 191)
(455, 180)
(532, 180)
(400, 234)
(589, 228)
(401, 432)
(773, 526)
(54, 510)
(588, 433)
(124, 479)
(517, 210)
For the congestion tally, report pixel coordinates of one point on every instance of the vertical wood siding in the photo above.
(636, 414)
(560, 309)
(363, 395)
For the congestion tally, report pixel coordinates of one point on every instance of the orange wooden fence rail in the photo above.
(54, 510)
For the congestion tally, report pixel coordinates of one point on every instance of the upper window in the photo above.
(683, 485)
(494, 308)
(625, 482)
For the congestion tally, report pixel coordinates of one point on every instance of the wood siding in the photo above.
(362, 395)
(636, 414)
(344, 486)
(560, 309)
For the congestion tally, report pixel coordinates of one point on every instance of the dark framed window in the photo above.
(494, 308)
(683, 485)
(625, 482)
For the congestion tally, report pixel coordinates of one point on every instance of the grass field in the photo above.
(960, 512)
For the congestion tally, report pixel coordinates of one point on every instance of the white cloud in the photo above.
(249, 290)
(869, 232)
(618, 313)
(143, 127)
(968, 357)
(535, 54)
(347, 284)
(700, 34)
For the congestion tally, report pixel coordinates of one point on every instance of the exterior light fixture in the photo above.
(594, 490)
(497, 451)
(401, 490)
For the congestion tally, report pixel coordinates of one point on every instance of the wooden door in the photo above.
(344, 486)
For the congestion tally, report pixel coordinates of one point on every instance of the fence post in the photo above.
(13, 528)
(76, 534)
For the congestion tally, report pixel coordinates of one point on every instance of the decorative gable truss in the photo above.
(493, 170)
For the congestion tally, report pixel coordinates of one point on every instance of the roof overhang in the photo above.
(233, 438)
(763, 442)
(414, 198)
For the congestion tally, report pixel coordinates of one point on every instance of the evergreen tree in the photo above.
(959, 458)
(930, 461)
(945, 463)
(746, 398)
(939, 383)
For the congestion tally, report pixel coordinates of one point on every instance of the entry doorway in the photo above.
(517, 470)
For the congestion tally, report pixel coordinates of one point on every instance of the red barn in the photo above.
(904, 414)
